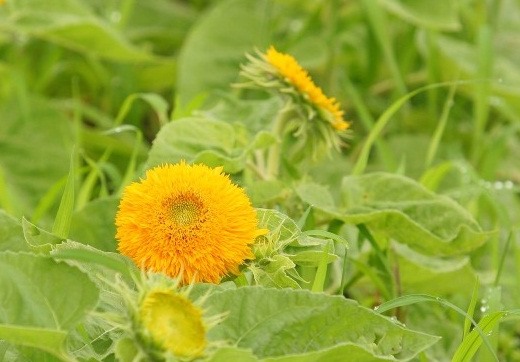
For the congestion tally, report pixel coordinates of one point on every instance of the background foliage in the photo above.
(425, 195)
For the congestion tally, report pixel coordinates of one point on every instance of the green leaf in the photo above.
(282, 230)
(402, 209)
(74, 26)
(63, 218)
(274, 323)
(339, 353)
(432, 275)
(217, 44)
(196, 140)
(11, 234)
(33, 287)
(315, 195)
(92, 260)
(48, 340)
(37, 238)
(272, 272)
(226, 354)
(35, 312)
(438, 14)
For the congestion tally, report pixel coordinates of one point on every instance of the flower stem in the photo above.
(274, 153)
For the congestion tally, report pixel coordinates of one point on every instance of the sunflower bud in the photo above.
(171, 321)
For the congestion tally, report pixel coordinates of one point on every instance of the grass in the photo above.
(418, 213)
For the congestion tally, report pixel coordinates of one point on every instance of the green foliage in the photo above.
(314, 319)
(417, 213)
(210, 58)
(35, 312)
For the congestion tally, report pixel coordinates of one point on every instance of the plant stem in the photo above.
(274, 152)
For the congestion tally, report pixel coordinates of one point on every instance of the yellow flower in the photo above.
(187, 221)
(289, 69)
(173, 322)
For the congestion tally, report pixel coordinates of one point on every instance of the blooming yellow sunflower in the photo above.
(289, 69)
(187, 220)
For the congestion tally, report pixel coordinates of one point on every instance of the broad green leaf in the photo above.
(11, 234)
(92, 260)
(48, 340)
(33, 287)
(402, 209)
(315, 195)
(431, 275)
(436, 14)
(196, 140)
(74, 26)
(35, 312)
(340, 353)
(274, 323)
(216, 45)
(93, 37)
(94, 224)
(226, 354)
(263, 192)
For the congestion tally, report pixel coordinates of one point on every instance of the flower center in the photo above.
(185, 210)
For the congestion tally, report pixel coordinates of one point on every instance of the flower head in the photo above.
(172, 322)
(187, 221)
(289, 70)
(314, 121)
(281, 71)
(157, 320)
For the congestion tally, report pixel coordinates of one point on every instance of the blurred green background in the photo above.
(101, 77)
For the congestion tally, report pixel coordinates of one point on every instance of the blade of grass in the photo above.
(439, 131)
(383, 120)
(491, 303)
(87, 186)
(374, 275)
(303, 219)
(156, 102)
(132, 162)
(422, 298)
(432, 177)
(63, 218)
(472, 342)
(381, 262)
(471, 308)
(368, 122)
(503, 258)
(433, 70)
